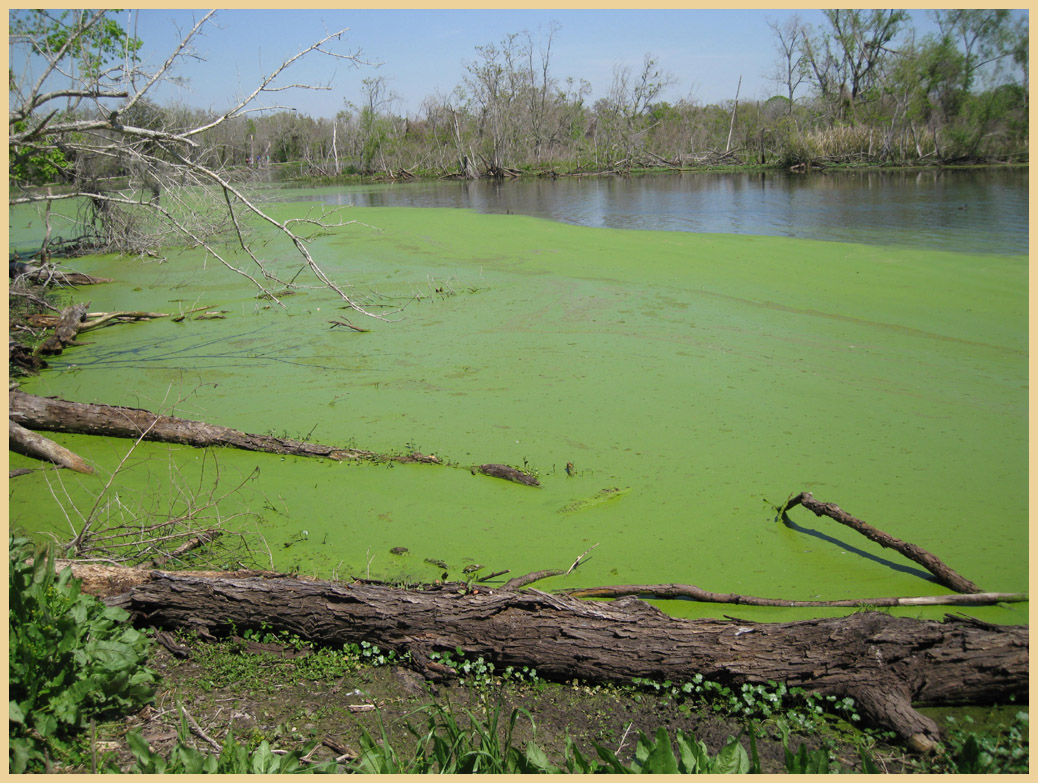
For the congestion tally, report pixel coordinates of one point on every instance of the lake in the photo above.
(694, 381)
(982, 210)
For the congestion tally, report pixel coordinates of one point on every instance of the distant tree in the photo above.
(986, 37)
(846, 61)
(791, 67)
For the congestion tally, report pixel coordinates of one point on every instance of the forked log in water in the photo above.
(43, 413)
(884, 663)
(945, 575)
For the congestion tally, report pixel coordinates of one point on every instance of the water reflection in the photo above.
(971, 211)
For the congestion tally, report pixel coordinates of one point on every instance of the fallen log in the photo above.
(34, 445)
(945, 575)
(42, 413)
(884, 663)
(91, 320)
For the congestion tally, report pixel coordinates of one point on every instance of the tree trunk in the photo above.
(884, 663)
(34, 445)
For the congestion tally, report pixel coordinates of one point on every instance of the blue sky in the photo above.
(423, 52)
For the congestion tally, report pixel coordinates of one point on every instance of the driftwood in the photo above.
(508, 473)
(884, 663)
(42, 413)
(945, 575)
(92, 320)
(699, 594)
(522, 581)
(34, 445)
(52, 274)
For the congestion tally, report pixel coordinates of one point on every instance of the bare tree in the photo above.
(80, 109)
(628, 102)
(790, 69)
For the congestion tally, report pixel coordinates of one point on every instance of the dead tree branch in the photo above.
(945, 575)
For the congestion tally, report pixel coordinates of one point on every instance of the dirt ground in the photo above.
(290, 703)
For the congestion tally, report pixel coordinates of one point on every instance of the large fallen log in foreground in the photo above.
(43, 413)
(884, 663)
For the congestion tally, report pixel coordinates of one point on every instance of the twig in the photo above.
(665, 591)
(488, 577)
(197, 730)
(348, 325)
(522, 581)
(577, 561)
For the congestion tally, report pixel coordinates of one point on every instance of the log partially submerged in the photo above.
(43, 413)
(34, 445)
(945, 575)
(884, 663)
(508, 473)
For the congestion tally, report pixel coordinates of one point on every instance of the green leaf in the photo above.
(14, 712)
(695, 758)
(732, 760)
(537, 760)
(22, 751)
(661, 760)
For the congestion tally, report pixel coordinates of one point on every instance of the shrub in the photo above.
(72, 659)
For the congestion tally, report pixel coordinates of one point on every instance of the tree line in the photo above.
(865, 88)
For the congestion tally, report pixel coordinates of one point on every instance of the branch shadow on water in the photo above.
(904, 569)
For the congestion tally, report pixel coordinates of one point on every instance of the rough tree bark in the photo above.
(885, 663)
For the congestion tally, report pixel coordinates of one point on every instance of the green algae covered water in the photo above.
(693, 381)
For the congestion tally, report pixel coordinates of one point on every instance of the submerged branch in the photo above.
(945, 575)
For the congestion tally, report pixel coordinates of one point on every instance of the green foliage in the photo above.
(481, 673)
(71, 659)
(92, 41)
(33, 164)
(233, 759)
(795, 706)
(225, 663)
(965, 751)
(487, 747)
